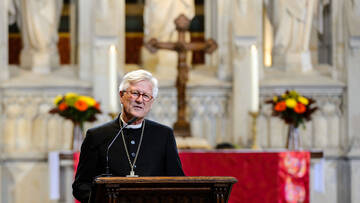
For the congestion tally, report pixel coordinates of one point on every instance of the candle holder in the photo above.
(254, 116)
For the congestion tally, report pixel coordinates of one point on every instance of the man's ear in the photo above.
(121, 93)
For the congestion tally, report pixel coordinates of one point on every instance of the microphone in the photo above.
(107, 169)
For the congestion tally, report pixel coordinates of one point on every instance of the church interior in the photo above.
(244, 56)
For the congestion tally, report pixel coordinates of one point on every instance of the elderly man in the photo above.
(143, 148)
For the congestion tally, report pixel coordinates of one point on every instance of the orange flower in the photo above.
(97, 106)
(81, 105)
(62, 106)
(280, 106)
(300, 108)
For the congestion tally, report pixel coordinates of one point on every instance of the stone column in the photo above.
(353, 114)
(225, 40)
(109, 30)
(4, 70)
(352, 14)
(67, 176)
(339, 39)
(121, 39)
(355, 180)
(212, 31)
(353, 96)
(245, 14)
(85, 37)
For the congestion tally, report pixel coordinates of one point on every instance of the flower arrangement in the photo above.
(77, 108)
(292, 107)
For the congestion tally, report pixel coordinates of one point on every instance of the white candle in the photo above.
(113, 92)
(254, 80)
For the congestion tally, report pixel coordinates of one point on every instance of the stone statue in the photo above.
(38, 22)
(293, 22)
(159, 17)
(353, 16)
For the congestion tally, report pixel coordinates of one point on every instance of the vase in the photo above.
(293, 138)
(77, 137)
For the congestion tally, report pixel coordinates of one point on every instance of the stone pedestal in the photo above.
(300, 62)
(39, 62)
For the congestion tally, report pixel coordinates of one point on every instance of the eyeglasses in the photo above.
(135, 94)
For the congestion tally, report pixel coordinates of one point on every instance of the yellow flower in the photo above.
(303, 100)
(71, 98)
(283, 95)
(291, 103)
(57, 99)
(293, 94)
(275, 98)
(89, 100)
(70, 95)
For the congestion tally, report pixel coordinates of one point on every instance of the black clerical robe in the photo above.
(158, 154)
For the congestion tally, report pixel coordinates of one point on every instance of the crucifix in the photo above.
(182, 126)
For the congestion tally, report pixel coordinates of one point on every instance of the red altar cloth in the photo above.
(262, 176)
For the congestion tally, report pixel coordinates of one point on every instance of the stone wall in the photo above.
(326, 129)
(27, 133)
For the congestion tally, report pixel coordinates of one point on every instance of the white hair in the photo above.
(137, 76)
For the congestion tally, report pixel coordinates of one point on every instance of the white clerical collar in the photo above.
(131, 126)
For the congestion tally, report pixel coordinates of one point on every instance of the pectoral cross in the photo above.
(132, 174)
(182, 126)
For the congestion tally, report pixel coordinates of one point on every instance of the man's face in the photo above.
(134, 100)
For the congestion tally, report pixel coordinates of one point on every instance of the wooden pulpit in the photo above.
(162, 189)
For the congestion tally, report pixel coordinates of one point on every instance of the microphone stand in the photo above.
(107, 168)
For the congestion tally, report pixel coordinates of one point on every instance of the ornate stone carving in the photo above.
(27, 127)
(323, 132)
(207, 112)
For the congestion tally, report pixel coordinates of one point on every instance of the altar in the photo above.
(270, 176)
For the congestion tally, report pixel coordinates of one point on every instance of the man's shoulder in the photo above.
(157, 125)
(110, 125)
(158, 131)
(100, 134)
(103, 132)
